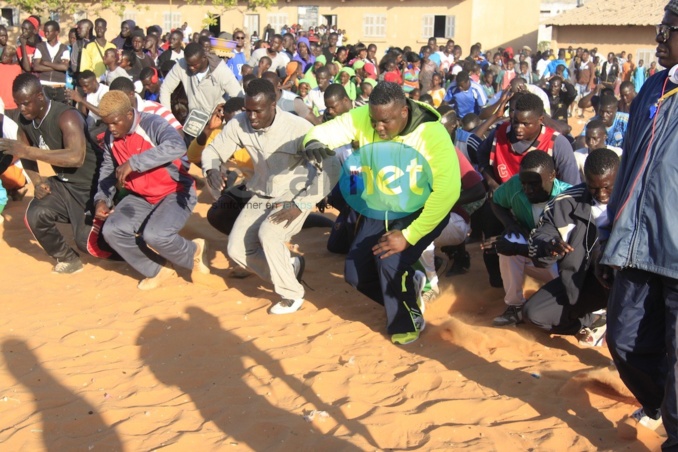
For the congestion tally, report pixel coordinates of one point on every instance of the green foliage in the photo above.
(224, 5)
(44, 7)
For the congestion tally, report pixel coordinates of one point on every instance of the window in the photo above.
(647, 55)
(79, 15)
(129, 15)
(374, 25)
(10, 17)
(277, 21)
(252, 24)
(437, 26)
(172, 20)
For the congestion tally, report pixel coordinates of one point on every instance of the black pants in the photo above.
(642, 321)
(66, 203)
(549, 308)
(225, 210)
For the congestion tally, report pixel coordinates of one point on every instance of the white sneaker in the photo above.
(200, 257)
(286, 306)
(646, 421)
(419, 284)
(165, 273)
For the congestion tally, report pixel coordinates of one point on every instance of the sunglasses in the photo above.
(239, 38)
(664, 31)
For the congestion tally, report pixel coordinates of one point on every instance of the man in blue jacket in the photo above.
(643, 245)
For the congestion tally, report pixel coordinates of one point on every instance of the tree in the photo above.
(44, 7)
(224, 5)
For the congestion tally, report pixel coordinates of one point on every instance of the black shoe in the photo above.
(68, 268)
(460, 259)
(512, 316)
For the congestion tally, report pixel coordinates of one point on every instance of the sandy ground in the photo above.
(91, 363)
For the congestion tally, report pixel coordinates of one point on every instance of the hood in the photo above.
(420, 113)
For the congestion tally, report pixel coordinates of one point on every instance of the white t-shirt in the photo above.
(317, 99)
(599, 214)
(10, 129)
(446, 61)
(53, 52)
(95, 98)
(174, 56)
(109, 76)
(580, 156)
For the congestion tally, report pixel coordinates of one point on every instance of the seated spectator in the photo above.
(142, 153)
(615, 121)
(561, 95)
(437, 91)
(452, 238)
(570, 233)
(12, 175)
(518, 204)
(596, 134)
(151, 81)
(317, 94)
(113, 69)
(89, 105)
(465, 96)
(500, 154)
(627, 92)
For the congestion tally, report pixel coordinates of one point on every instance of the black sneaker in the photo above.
(68, 268)
(512, 316)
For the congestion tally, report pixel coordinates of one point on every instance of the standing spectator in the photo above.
(642, 309)
(206, 78)
(236, 62)
(50, 62)
(28, 40)
(3, 39)
(9, 70)
(124, 39)
(84, 34)
(639, 76)
(627, 69)
(175, 52)
(93, 54)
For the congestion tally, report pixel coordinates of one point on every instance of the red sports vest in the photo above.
(505, 162)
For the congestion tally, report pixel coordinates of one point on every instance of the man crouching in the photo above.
(142, 154)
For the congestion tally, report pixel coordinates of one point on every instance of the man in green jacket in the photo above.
(410, 180)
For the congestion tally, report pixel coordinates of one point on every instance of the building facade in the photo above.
(611, 26)
(494, 23)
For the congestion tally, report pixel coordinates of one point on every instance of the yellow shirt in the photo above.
(93, 57)
(241, 158)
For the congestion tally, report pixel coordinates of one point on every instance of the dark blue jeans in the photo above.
(642, 314)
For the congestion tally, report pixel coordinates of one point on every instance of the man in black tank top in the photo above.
(55, 133)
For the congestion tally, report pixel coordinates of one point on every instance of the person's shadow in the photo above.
(68, 420)
(208, 363)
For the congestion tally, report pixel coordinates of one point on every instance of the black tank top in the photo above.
(49, 136)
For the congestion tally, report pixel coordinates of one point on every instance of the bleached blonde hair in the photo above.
(114, 102)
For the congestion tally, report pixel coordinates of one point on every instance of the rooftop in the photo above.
(613, 12)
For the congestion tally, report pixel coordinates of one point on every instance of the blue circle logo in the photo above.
(386, 180)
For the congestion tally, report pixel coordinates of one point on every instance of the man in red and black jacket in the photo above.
(142, 153)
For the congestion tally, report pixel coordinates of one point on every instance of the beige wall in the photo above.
(492, 22)
(634, 40)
